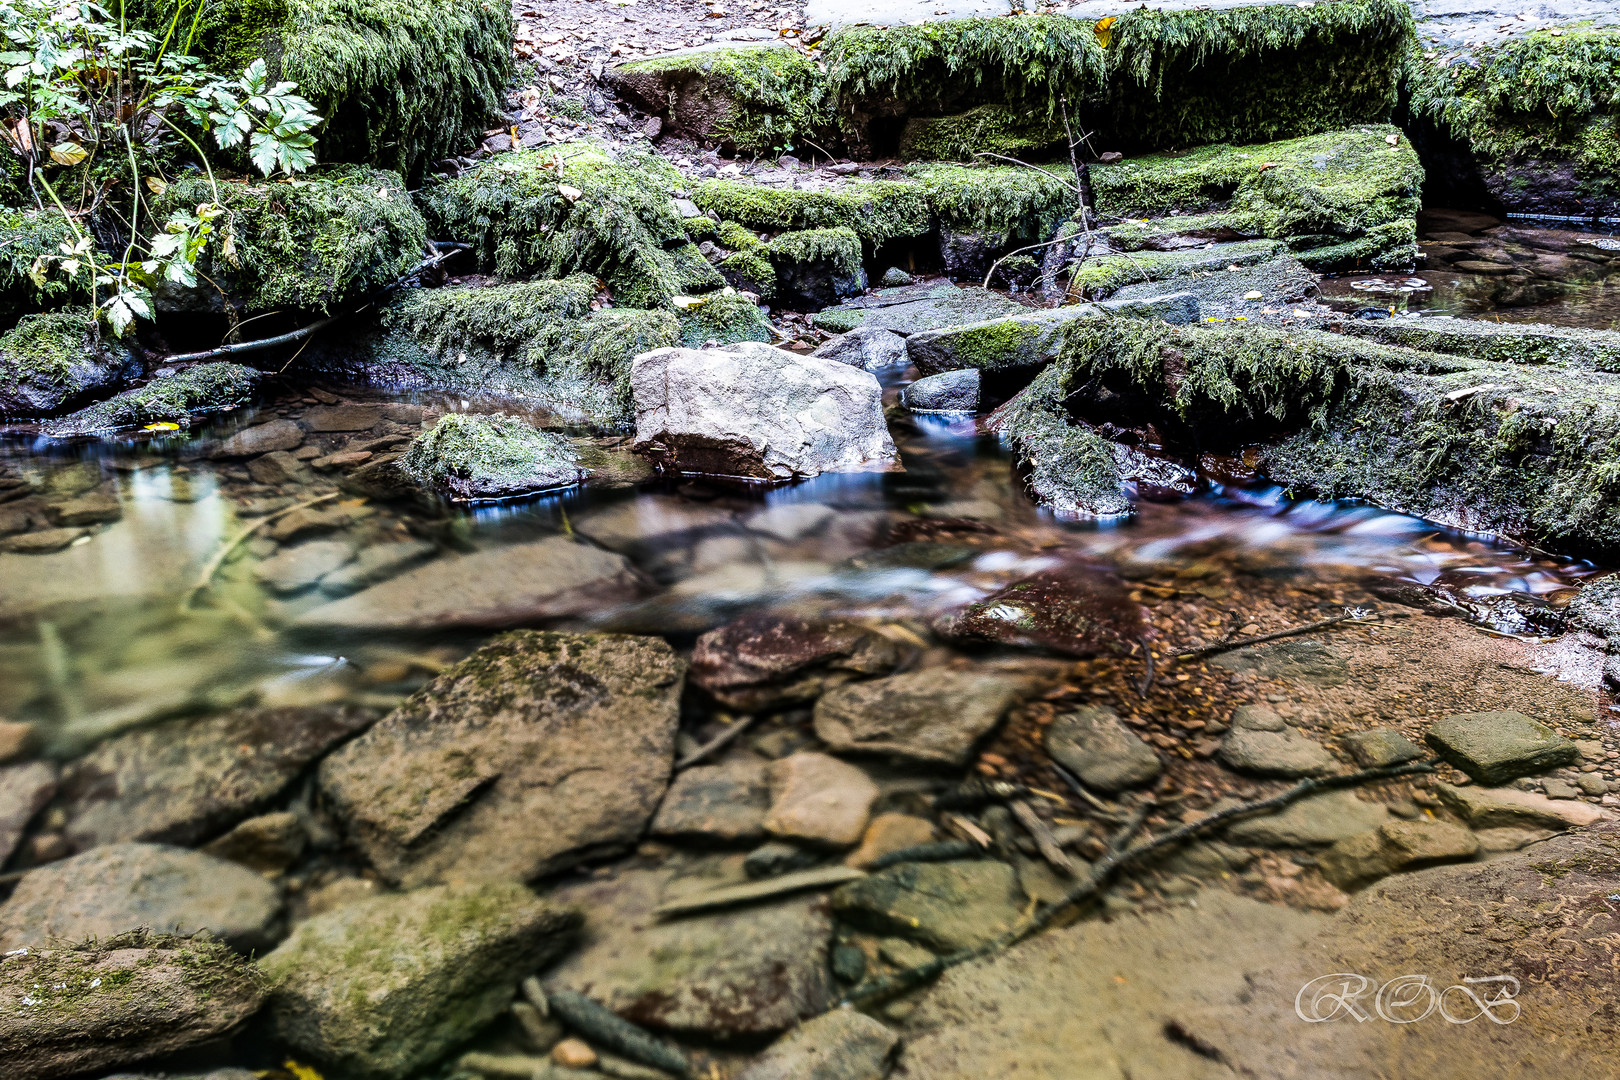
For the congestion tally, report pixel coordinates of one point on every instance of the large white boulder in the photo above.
(754, 411)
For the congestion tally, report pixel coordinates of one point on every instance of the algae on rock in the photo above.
(724, 318)
(167, 399)
(50, 359)
(1067, 467)
(471, 456)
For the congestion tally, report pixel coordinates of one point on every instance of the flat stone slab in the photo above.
(1319, 819)
(716, 802)
(945, 905)
(1393, 847)
(936, 717)
(1275, 753)
(1096, 746)
(911, 309)
(1381, 747)
(1495, 747)
(1495, 808)
(840, 1045)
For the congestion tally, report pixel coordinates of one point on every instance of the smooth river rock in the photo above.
(724, 803)
(820, 799)
(1095, 745)
(839, 1045)
(935, 716)
(539, 750)
(945, 905)
(1495, 747)
(1392, 847)
(24, 791)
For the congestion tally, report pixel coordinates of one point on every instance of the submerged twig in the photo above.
(737, 728)
(1294, 631)
(1115, 859)
(1045, 842)
(206, 577)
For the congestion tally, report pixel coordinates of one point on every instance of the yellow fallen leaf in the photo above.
(156, 185)
(68, 153)
(302, 1072)
(162, 425)
(572, 194)
(1105, 30)
(688, 303)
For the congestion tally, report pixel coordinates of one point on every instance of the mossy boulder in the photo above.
(1342, 199)
(28, 234)
(1066, 466)
(1206, 273)
(401, 83)
(1508, 343)
(985, 211)
(877, 210)
(724, 318)
(51, 360)
(387, 986)
(576, 208)
(476, 456)
(747, 98)
(315, 245)
(168, 399)
(538, 340)
(993, 129)
(75, 1009)
(803, 269)
(1023, 342)
(1535, 116)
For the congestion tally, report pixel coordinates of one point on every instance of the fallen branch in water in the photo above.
(1115, 859)
(316, 327)
(206, 578)
(737, 728)
(1260, 639)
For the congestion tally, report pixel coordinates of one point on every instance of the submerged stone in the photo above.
(386, 986)
(840, 1045)
(1079, 610)
(934, 717)
(1503, 808)
(50, 361)
(947, 392)
(819, 799)
(716, 802)
(1393, 847)
(1095, 745)
(167, 399)
(24, 791)
(576, 730)
(1495, 747)
(764, 661)
(1314, 820)
(945, 905)
(473, 456)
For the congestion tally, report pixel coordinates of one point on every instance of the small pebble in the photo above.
(574, 1054)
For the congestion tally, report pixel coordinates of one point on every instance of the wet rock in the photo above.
(819, 799)
(1491, 808)
(934, 716)
(120, 887)
(1079, 610)
(1495, 841)
(278, 469)
(1066, 466)
(1495, 747)
(575, 730)
(867, 348)
(1177, 309)
(913, 308)
(24, 791)
(493, 589)
(894, 276)
(1393, 847)
(758, 412)
(778, 857)
(573, 1054)
(473, 456)
(840, 1045)
(294, 569)
(1596, 608)
(741, 972)
(1305, 660)
(947, 392)
(945, 905)
(1275, 753)
(262, 439)
(646, 525)
(49, 361)
(374, 564)
(351, 417)
(716, 802)
(762, 661)
(889, 833)
(102, 1004)
(268, 843)
(791, 522)
(1258, 718)
(16, 739)
(92, 508)
(1312, 821)
(167, 399)
(42, 542)
(385, 987)
(1095, 745)
(184, 781)
(1027, 340)
(1382, 747)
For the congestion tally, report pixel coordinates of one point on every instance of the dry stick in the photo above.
(736, 728)
(1045, 842)
(206, 578)
(1259, 639)
(1003, 157)
(1116, 859)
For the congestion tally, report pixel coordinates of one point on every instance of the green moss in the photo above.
(24, 236)
(473, 455)
(1066, 467)
(315, 245)
(737, 237)
(173, 399)
(996, 198)
(993, 129)
(502, 318)
(1506, 343)
(838, 248)
(1101, 277)
(877, 210)
(726, 318)
(751, 271)
(752, 100)
(520, 214)
(38, 354)
(837, 320)
(1252, 74)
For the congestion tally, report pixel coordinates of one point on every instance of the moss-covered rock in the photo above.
(993, 129)
(816, 267)
(401, 83)
(1537, 114)
(52, 359)
(724, 318)
(167, 399)
(1508, 343)
(984, 211)
(28, 234)
(1341, 199)
(315, 245)
(1018, 342)
(475, 456)
(535, 339)
(1530, 451)
(1206, 272)
(1066, 466)
(751, 99)
(72, 1010)
(877, 210)
(609, 216)
(387, 986)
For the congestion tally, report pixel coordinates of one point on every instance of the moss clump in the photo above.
(501, 318)
(1067, 467)
(995, 198)
(993, 129)
(1252, 74)
(1340, 198)
(574, 208)
(1101, 277)
(51, 358)
(838, 249)
(314, 245)
(468, 456)
(171, 399)
(877, 210)
(726, 318)
(751, 100)
(24, 236)
(751, 271)
(1537, 110)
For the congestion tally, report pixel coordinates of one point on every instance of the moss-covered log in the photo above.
(315, 245)
(609, 216)
(1339, 200)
